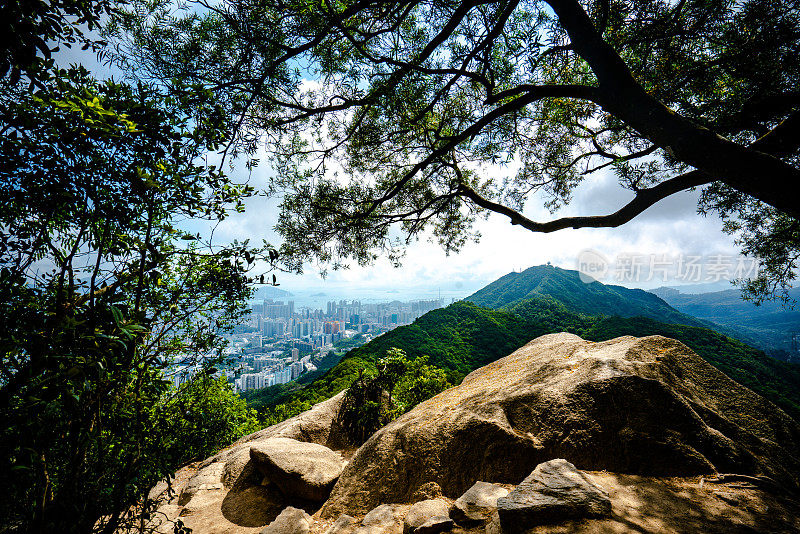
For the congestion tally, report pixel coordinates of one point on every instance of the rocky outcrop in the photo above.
(303, 470)
(317, 425)
(227, 494)
(648, 406)
(621, 411)
(554, 492)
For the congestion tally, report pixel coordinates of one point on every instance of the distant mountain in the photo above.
(271, 292)
(769, 326)
(567, 287)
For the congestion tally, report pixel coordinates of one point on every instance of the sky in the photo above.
(669, 236)
(663, 234)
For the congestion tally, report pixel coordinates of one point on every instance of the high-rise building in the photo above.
(297, 368)
(332, 327)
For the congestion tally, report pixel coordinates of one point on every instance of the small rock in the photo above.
(299, 469)
(422, 511)
(344, 525)
(554, 492)
(290, 521)
(435, 525)
(383, 519)
(429, 490)
(477, 503)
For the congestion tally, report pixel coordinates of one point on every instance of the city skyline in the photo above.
(277, 342)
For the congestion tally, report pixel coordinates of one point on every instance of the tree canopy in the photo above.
(393, 113)
(34, 30)
(103, 288)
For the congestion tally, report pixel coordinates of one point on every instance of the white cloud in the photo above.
(670, 228)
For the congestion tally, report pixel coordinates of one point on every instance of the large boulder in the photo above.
(252, 505)
(632, 405)
(317, 425)
(299, 469)
(554, 492)
(227, 494)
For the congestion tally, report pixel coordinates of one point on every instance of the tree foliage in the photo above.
(206, 415)
(34, 30)
(428, 114)
(397, 385)
(101, 292)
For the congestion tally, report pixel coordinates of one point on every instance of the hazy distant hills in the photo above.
(271, 292)
(567, 288)
(769, 326)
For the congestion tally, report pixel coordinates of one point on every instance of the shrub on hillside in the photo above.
(399, 384)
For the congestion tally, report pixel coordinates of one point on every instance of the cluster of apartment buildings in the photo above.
(272, 369)
(281, 343)
(322, 327)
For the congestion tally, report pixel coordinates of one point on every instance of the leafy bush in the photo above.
(419, 383)
(100, 292)
(207, 415)
(399, 384)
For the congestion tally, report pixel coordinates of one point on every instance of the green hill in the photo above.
(569, 288)
(464, 336)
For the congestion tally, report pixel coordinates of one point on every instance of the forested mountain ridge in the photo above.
(464, 336)
(725, 312)
(570, 289)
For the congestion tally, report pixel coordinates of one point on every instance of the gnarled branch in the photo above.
(644, 199)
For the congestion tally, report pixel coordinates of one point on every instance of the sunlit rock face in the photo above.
(647, 406)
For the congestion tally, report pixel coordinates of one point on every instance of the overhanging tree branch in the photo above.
(747, 169)
(644, 199)
(778, 141)
(532, 94)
